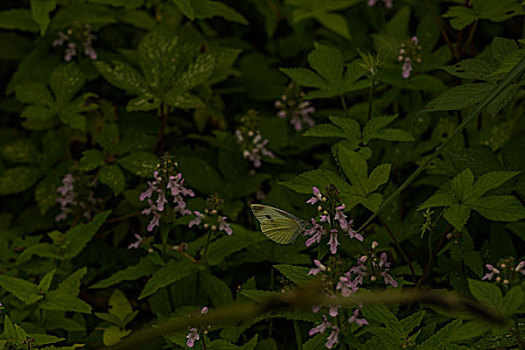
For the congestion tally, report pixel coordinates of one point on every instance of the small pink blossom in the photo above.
(137, 243)
(317, 196)
(333, 242)
(359, 321)
(321, 327)
(198, 219)
(223, 226)
(320, 268)
(192, 337)
(407, 68)
(332, 338)
(493, 271)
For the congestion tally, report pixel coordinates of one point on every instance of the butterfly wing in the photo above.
(276, 224)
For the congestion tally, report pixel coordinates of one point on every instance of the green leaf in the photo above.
(32, 92)
(139, 163)
(20, 151)
(18, 19)
(40, 10)
(120, 311)
(200, 175)
(459, 97)
(461, 185)
(145, 267)
(442, 337)
(185, 8)
(461, 16)
(468, 330)
(218, 291)
(355, 168)
(197, 73)
(501, 47)
(499, 208)
(172, 272)
(17, 179)
(304, 77)
(209, 9)
(325, 130)
(296, 274)
(472, 68)
(384, 315)
(91, 159)
(322, 178)
(492, 180)
(375, 129)
(45, 282)
(113, 335)
(514, 301)
(122, 76)
(65, 81)
(457, 215)
(112, 176)
(64, 298)
(22, 289)
(378, 177)
(109, 137)
(412, 321)
(77, 237)
(438, 200)
(327, 61)
(505, 9)
(227, 245)
(46, 192)
(335, 22)
(486, 292)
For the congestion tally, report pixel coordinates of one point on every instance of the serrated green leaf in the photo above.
(210, 9)
(218, 291)
(459, 97)
(77, 237)
(461, 185)
(172, 272)
(438, 200)
(322, 178)
(441, 338)
(18, 19)
(122, 76)
(145, 267)
(461, 16)
(499, 208)
(113, 335)
(334, 22)
(91, 159)
(185, 8)
(22, 289)
(112, 176)
(18, 179)
(32, 92)
(378, 176)
(65, 81)
(40, 10)
(472, 68)
(492, 180)
(200, 175)
(412, 321)
(375, 129)
(296, 274)
(325, 130)
(514, 301)
(20, 151)
(505, 9)
(457, 215)
(328, 62)
(468, 330)
(139, 163)
(304, 77)
(45, 282)
(257, 295)
(486, 292)
(355, 168)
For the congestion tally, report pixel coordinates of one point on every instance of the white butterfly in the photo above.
(278, 225)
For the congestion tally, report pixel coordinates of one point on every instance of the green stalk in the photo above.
(343, 102)
(298, 338)
(513, 74)
(371, 96)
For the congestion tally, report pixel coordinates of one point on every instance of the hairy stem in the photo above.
(297, 335)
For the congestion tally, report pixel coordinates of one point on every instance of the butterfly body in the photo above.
(278, 225)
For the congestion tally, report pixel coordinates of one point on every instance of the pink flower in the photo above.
(198, 218)
(204, 310)
(407, 68)
(493, 271)
(192, 336)
(332, 338)
(520, 267)
(358, 321)
(136, 244)
(345, 285)
(333, 243)
(341, 217)
(316, 232)
(223, 226)
(321, 327)
(317, 196)
(316, 271)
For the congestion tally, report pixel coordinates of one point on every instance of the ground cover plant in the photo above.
(385, 141)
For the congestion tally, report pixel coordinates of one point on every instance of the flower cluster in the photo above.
(505, 271)
(335, 280)
(290, 105)
(165, 194)
(379, 267)
(409, 52)
(388, 3)
(211, 219)
(249, 138)
(77, 39)
(76, 195)
(332, 220)
(193, 335)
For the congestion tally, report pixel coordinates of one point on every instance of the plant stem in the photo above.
(521, 343)
(297, 335)
(514, 73)
(400, 249)
(343, 102)
(123, 217)
(370, 97)
(204, 347)
(204, 257)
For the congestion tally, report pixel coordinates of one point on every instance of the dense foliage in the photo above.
(136, 134)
